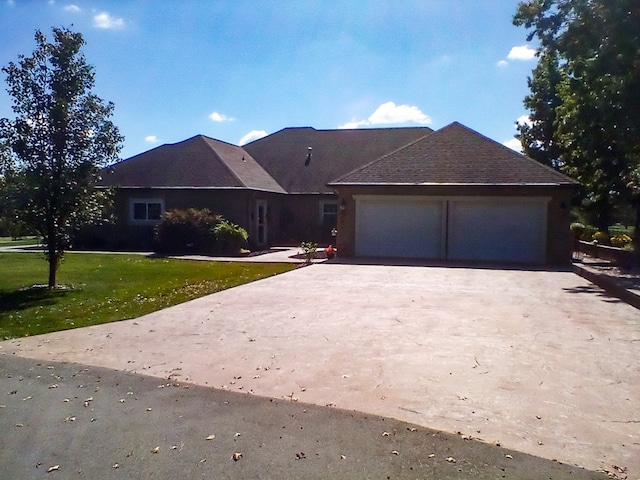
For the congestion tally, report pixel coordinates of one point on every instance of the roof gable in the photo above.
(454, 155)
(333, 153)
(198, 162)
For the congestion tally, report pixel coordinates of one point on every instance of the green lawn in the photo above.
(107, 288)
(9, 242)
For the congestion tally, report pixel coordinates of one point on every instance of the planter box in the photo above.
(622, 258)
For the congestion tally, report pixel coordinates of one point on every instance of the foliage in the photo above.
(577, 229)
(108, 288)
(601, 237)
(52, 151)
(187, 231)
(594, 109)
(308, 251)
(621, 240)
(230, 238)
(538, 136)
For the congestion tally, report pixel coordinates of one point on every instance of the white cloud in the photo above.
(218, 117)
(390, 113)
(523, 52)
(151, 139)
(251, 136)
(513, 144)
(106, 21)
(502, 63)
(524, 120)
(72, 8)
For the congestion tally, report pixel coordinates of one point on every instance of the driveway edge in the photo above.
(609, 284)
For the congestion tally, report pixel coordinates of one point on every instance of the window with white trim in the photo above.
(146, 210)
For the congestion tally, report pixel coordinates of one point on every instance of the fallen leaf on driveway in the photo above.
(451, 460)
(211, 437)
(53, 468)
(155, 450)
(395, 452)
(300, 455)
(236, 456)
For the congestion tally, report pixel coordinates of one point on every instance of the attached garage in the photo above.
(455, 195)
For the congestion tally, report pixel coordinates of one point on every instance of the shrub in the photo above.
(601, 237)
(187, 231)
(230, 238)
(309, 251)
(577, 229)
(621, 240)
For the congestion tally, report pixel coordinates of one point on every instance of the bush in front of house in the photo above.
(230, 238)
(187, 231)
(198, 231)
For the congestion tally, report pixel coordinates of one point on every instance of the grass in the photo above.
(10, 242)
(105, 288)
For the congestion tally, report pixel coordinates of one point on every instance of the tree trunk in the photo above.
(52, 257)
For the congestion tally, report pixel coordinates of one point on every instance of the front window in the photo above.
(146, 210)
(329, 213)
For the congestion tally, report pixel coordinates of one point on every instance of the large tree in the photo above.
(597, 119)
(61, 136)
(538, 135)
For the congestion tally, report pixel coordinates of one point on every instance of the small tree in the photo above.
(60, 138)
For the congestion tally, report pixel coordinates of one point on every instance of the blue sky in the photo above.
(238, 69)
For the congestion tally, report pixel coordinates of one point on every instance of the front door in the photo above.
(261, 222)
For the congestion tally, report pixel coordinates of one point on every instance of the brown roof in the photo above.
(199, 162)
(334, 153)
(454, 155)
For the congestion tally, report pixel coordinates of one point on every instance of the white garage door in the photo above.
(398, 227)
(476, 229)
(508, 230)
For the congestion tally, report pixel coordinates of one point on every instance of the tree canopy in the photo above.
(61, 136)
(584, 102)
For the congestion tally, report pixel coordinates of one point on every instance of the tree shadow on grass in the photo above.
(36, 296)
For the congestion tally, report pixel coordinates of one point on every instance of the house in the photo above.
(450, 194)
(275, 187)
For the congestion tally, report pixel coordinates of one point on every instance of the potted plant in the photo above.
(330, 251)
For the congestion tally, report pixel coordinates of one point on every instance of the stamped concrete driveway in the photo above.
(542, 362)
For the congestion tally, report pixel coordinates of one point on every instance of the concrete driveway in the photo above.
(542, 362)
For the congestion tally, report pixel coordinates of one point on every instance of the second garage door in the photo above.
(506, 230)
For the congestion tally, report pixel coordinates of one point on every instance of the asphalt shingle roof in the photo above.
(198, 162)
(334, 153)
(454, 155)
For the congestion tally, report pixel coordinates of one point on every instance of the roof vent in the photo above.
(308, 160)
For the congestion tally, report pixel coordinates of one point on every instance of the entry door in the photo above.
(261, 222)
